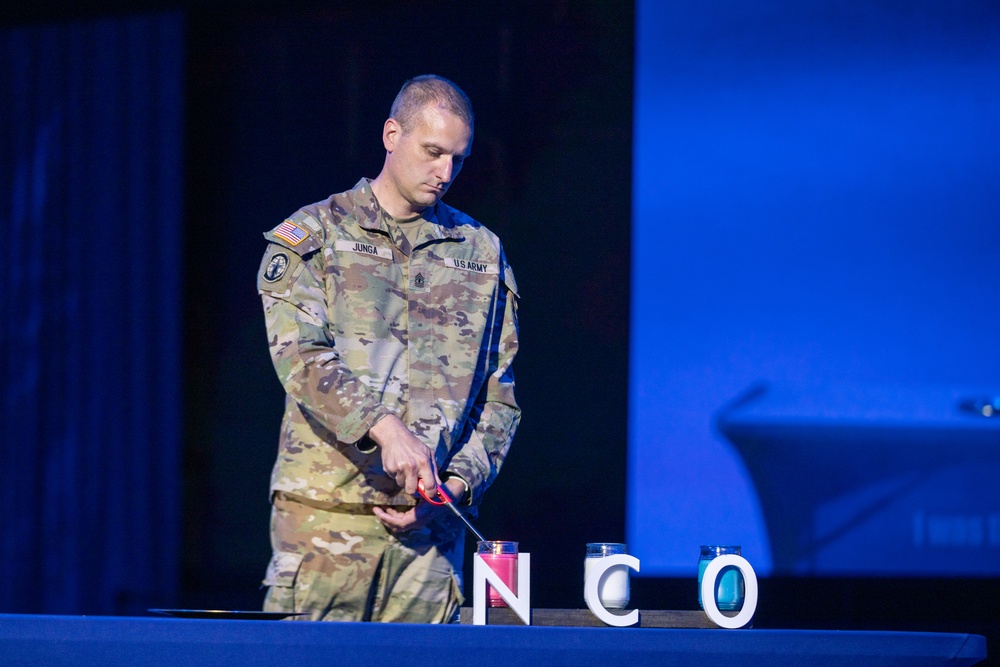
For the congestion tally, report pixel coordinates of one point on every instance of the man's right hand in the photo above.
(403, 456)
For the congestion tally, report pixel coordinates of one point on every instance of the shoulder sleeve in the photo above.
(301, 233)
(300, 338)
(291, 242)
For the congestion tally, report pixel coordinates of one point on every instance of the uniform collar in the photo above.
(370, 215)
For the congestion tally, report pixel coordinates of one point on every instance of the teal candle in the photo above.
(729, 586)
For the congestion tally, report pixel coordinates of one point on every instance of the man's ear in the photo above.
(391, 132)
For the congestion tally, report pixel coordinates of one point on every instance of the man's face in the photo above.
(423, 162)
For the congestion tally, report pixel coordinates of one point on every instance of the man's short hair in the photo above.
(430, 89)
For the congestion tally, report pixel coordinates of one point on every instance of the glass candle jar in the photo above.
(613, 589)
(501, 557)
(729, 589)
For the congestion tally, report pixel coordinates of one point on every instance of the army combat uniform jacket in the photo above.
(359, 328)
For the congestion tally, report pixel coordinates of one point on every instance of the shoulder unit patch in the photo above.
(276, 267)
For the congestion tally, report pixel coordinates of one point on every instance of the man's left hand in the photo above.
(421, 514)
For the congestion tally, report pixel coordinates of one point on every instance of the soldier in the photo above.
(391, 321)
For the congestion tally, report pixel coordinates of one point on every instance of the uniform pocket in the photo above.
(280, 578)
(283, 569)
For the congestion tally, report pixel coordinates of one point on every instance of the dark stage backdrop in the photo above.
(286, 107)
(90, 339)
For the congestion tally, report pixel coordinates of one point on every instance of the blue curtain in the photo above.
(90, 237)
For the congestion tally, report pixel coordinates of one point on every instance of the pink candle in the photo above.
(501, 557)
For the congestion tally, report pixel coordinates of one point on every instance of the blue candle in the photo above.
(729, 586)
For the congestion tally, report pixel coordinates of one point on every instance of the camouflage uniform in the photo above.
(361, 325)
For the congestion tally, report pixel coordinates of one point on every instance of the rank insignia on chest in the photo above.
(418, 283)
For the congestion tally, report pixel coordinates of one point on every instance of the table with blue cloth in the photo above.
(112, 641)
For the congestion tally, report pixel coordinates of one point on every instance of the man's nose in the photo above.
(445, 168)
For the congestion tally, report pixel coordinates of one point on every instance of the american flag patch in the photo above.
(290, 232)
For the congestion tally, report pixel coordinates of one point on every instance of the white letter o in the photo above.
(708, 583)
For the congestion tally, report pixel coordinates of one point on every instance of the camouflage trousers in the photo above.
(346, 566)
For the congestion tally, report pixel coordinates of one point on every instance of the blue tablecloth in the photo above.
(82, 641)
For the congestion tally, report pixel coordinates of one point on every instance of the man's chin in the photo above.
(423, 199)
